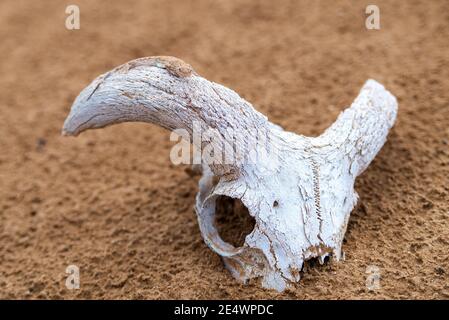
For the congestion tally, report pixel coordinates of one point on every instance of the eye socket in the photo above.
(232, 220)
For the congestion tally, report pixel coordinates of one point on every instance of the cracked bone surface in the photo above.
(300, 199)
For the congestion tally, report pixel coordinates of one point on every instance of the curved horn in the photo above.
(165, 91)
(361, 130)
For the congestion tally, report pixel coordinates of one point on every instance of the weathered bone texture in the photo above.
(301, 201)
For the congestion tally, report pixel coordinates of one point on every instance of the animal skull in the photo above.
(301, 199)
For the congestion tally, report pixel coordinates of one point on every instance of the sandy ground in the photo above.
(111, 202)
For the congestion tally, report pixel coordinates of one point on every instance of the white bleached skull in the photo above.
(300, 194)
